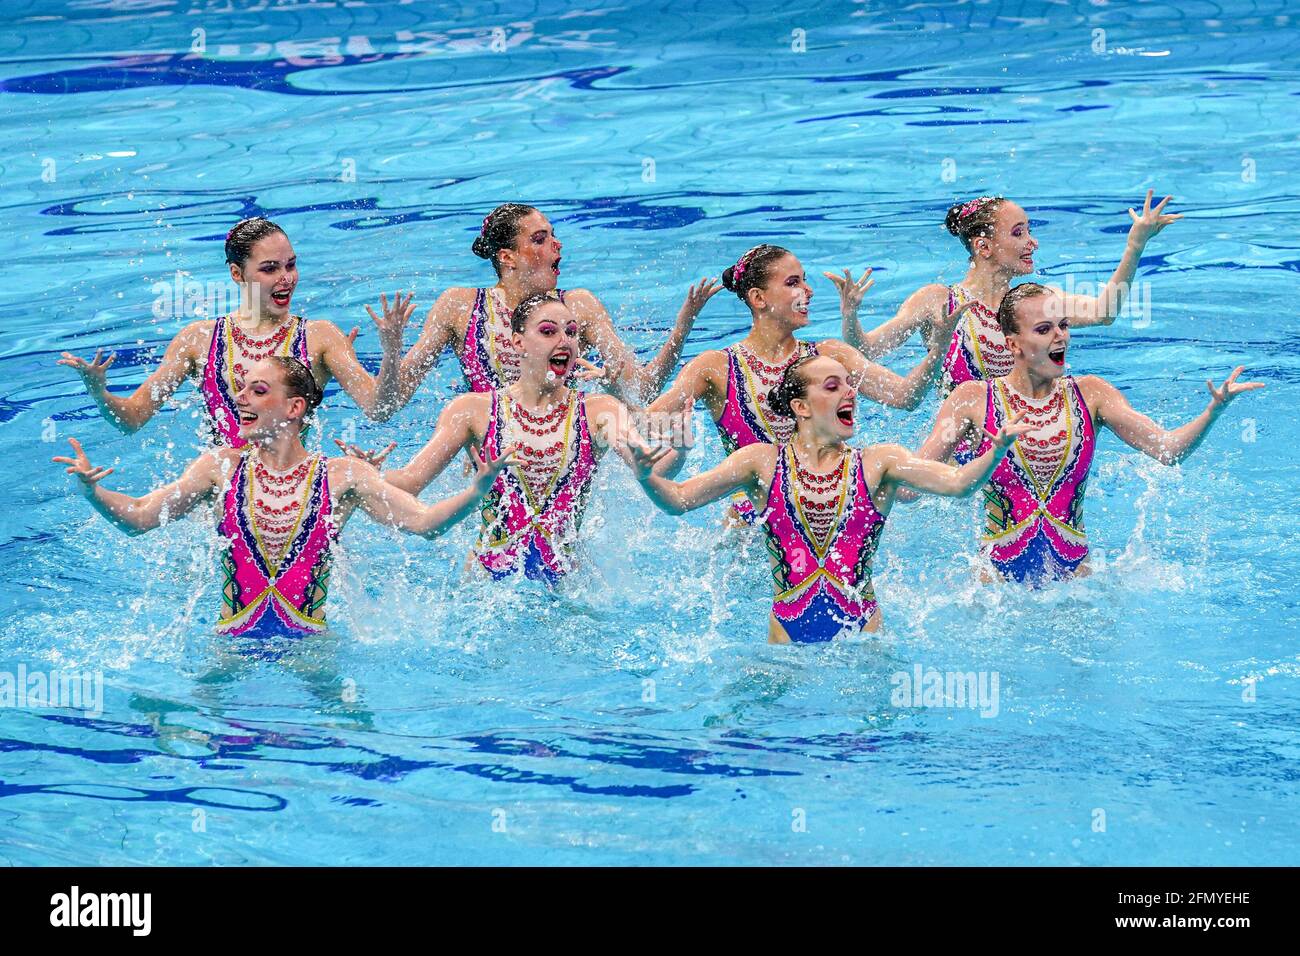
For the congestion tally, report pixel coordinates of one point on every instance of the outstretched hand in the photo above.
(851, 290)
(943, 330)
(1231, 388)
(375, 458)
(486, 468)
(585, 371)
(696, 296)
(643, 457)
(93, 373)
(1012, 429)
(1151, 221)
(81, 466)
(392, 325)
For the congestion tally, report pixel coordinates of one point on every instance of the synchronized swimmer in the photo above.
(1016, 425)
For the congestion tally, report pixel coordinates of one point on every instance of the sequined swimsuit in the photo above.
(224, 369)
(746, 417)
(821, 562)
(276, 591)
(978, 352)
(488, 358)
(1033, 503)
(524, 529)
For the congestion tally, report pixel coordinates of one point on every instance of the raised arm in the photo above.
(1084, 310)
(923, 311)
(454, 431)
(961, 412)
(129, 413)
(700, 380)
(749, 468)
(637, 384)
(377, 396)
(439, 326)
(395, 508)
(879, 383)
(1167, 446)
(138, 515)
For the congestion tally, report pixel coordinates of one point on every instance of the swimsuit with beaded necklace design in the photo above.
(488, 358)
(280, 531)
(746, 416)
(822, 531)
(1033, 503)
(532, 514)
(233, 352)
(978, 352)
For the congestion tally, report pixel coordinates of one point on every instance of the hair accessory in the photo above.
(739, 268)
(973, 205)
(483, 229)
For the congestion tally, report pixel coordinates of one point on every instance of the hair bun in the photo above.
(954, 213)
(728, 278)
(481, 247)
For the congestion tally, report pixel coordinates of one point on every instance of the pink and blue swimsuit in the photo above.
(536, 537)
(823, 590)
(978, 352)
(218, 381)
(487, 357)
(1034, 527)
(744, 421)
(265, 595)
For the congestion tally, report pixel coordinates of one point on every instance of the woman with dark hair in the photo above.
(218, 352)
(279, 507)
(995, 232)
(525, 254)
(533, 513)
(1033, 504)
(734, 382)
(823, 504)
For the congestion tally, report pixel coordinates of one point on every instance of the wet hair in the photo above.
(525, 309)
(968, 220)
(1007, 320)
(755, 269)
(500, 230)
(792, 385)
(241, 239)
(299, 382)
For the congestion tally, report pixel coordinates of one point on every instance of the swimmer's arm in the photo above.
(742, 469)
(129, 413)
(391, 506)
(634, 383)
(1167, 446)
(377, 396)
(138, 515)
(423, 356)
(1083, 310)
(453, 432)
(880, 384)
(956, 418)
(677, 405)
(906, 470)
(920, 312)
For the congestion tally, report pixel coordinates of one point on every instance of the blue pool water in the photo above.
(1146, 715)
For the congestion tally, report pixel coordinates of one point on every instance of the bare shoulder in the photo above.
(598, 403)
(969, 393)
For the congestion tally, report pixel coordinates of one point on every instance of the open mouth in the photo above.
(281, 297)
(1027, 258)
(555, 266)
(1057, 355)
(560, 362)
(801, 308)
(845, 414)
(247, 418)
